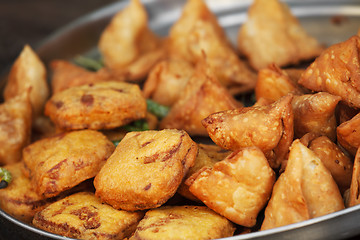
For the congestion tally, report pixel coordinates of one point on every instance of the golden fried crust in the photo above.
(268, 127)
(347, 134)
(66, 75)
(344, 112)
(202, 96)
(83, 216)
(305, 190)
(183, 222)
(166, 80)
(146, 169)
(28, 72)
(63, 161)
(315, 113)
(272, 34)
(339, 165)
(237, 187)
(354, 194)
(336, 71)
(99, 106)
(15, 127)
(19, 199)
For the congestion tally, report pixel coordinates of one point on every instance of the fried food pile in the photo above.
(158, 144)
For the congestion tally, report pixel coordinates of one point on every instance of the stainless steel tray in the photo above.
(330, 21)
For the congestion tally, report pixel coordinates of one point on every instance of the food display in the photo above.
(183, 136)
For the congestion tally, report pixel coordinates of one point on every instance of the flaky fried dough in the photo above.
(27, 72)
(305, 190)
(83, 216)
(268, 127)
(271, 34)
(146, 169)
(315, 113)
(347, 134)
(202, 96)
(15, 127)
(237, 187)
(61, 162)
(336, 71)
(183, 222)
(102, 105)
(354, 194)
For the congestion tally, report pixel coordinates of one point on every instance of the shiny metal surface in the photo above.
(328, 20)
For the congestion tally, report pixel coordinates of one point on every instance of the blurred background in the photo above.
(29, 22)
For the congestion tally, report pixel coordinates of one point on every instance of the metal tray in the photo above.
(330, 21)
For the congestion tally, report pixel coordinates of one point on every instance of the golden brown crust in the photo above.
(83, 216)
(63, 161)
(183, 222)
(354, 193)
(347, 135)
(146, 169)
(102, 105)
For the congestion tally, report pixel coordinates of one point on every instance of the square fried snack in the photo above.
(166, 80)
(202, 96)
(347, 134)
(28, 72)
(183, 222)
(336, 71)
(315, 113)
(102, 105)
(207, 156)
(61, 162)
(268, 127)
(237, 187)
(273, 83)
(15, 127)
(19, 199)
(198, 32)
(128, 45)
(305, 190)
(146, 169)
(66, 75)
(271, 34)
(83, 216)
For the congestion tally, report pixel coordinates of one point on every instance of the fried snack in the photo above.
(146, 169)
(198, 32)
(305, 190)
(315, 113)
(344, 112)
(83, 216)
(15, 127)
(128, 45)
(67, 75)
(19, 199)
(102, 105)
(27, 72)
(271, 34)
(237, 187)
(166, 80)
(183, 222)
(61, 162)
(207, 156)
(202, 96)
(336, 71)
(347, 134)
(334, 159)
(273, 83)
(354, 194)
(268, 127)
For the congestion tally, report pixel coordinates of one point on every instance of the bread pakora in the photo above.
(28, 72)
(146, 169)
(237, 187)
(271, 34)
(268, 127)
(183, 222)
(102, 105)
(305, 190)
(15, 127)
(83, 216)
(58, 163)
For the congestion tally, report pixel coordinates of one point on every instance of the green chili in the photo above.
(138, 125)
(5, 177)
(88, 63)
(157, 109)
